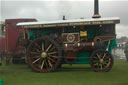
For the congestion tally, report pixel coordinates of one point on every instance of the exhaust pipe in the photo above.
(96, 10)
(64, 18)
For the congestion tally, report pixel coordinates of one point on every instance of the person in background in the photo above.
(126, 50)
(0, 60)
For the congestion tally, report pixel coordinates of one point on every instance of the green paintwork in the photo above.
(83, 57)
(31, 35)
(42, 32)
(45, 32)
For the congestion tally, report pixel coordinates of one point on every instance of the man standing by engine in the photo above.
(126, 51)
(0, 60)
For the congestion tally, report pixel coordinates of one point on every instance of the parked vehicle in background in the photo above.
(126, 51)
(12, 39)
(2, 39)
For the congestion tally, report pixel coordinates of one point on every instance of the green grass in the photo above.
(67, 75)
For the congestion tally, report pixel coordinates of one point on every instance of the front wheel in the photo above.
(44, 54)
(101, 61)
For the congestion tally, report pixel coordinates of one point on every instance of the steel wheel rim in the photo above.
(101, 61)
(43, 55)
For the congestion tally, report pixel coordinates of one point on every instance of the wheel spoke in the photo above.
(46, 64)
(37, 50)
(52, 53)
(52, 48)
(107, 61)
(53, 56)
(37, 46)
(36, 60)
(95, 60)
(107, 65)
(101, 66)
(98, 55)
(42, 46)
(50, 63)
(96, 64)
(52, 60)
(48, 47)
(42, 65)
(104, 55)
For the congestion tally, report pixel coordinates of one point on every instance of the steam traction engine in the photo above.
(82, 41)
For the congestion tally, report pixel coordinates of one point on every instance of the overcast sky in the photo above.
(44, 10)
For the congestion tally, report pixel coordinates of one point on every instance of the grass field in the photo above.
(67, 75)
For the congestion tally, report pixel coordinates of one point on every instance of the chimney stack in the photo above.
(96, 10)
(64, 18)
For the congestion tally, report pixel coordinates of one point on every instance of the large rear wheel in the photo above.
(101, 61)
(44, 54)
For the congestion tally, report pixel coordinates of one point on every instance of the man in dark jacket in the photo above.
(126, 51)
(0, 60)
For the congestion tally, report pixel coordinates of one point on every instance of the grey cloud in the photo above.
(115, 8)
(0, 11)
(54, 10)
(122, 30)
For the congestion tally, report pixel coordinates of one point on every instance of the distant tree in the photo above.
(124, 38)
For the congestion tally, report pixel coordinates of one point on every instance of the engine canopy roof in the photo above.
(76, 22)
